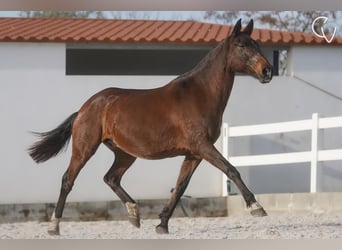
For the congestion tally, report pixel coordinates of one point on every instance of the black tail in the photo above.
(52, 142)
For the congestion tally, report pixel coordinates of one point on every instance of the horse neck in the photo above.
(215, 77)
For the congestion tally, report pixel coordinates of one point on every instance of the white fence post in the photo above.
(225, 135)
(314, 153)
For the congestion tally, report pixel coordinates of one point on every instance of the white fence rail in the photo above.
(313, 156)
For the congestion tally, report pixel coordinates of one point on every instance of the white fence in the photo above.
(313, 156)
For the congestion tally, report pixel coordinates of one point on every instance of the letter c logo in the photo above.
(323, 35)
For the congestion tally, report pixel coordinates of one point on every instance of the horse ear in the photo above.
(249, 28)
(237, 28)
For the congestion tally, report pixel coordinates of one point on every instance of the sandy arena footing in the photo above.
(288, 225)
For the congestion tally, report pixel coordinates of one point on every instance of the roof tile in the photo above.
(148, 32)
(265, 36)
(212, 33)
(201, 34)
(137, 31)
(110, 29)
(276, 36)
(158, 32)
(188, 36)
(171, 34)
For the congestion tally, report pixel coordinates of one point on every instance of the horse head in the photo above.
(245, 56)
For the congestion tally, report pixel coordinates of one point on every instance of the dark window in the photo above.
(146, 61)
(276, 63)
(131, 61)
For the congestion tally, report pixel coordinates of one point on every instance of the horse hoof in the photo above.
(162, 230)
(259, 212)
(53, 229)
(134, 221)
(133, 214)
(53, 232)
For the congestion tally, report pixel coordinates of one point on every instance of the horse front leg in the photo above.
(214, 157)
(188, 167)
(113, 178)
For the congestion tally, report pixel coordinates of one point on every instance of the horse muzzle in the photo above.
(266, 74)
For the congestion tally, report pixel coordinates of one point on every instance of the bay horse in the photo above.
(182, 117)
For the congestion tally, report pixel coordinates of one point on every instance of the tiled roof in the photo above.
(136, 31)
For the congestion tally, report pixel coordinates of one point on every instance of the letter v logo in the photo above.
(322, 35)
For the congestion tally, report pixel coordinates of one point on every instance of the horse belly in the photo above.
(146, 126)
(148, 142)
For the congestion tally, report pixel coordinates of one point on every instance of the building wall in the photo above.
(36, 95)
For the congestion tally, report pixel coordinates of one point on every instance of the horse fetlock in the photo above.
(54, 226)
(163, 227)
(133, 214)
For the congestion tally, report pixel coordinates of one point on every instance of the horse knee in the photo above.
(107, 180)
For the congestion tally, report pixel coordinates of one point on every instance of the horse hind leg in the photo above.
(68, 180)
(81, 153)
(113, 178)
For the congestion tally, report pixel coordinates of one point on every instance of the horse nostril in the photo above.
(267, 71)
